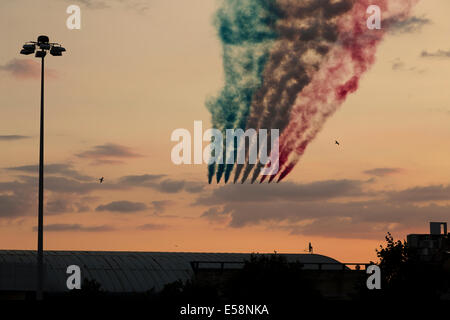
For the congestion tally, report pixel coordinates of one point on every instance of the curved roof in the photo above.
(124, 271)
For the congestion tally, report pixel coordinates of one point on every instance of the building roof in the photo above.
(123, 272)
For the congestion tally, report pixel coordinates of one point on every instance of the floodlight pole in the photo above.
(42, 45)
(40, 249)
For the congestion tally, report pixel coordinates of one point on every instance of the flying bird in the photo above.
(101, 180)
(337, 142)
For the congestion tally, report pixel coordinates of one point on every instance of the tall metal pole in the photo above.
(43, 45)
(40, 252)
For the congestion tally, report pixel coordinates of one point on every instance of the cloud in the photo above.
(109, 153)
(161, 206)
(122, 207)
(445, 111)
(58, 206)
(334, 208)
(338, 227)
(422, 194)
(438, 54)
(17, 198)
(100, 162)
(381, 172)
(54, 169)
(137, 5)
(410, 25)
(398, 65)
(215, 214)
(176, 186)
(13, 206)
(63, 194)
(140, 180)
(161, 183)
(65, 185)
(26, 69)
(170, 186)
(153, 227)
(13, 137)
(67, 190)
(62, 185)
(81, 207)
(75, 228)
(66, 204)
(320, 190)
(194, 187)
(64, 178)
(92, 4)
(362, 219)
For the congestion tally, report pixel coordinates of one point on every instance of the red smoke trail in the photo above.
(338, 76)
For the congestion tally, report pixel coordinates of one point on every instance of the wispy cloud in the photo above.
(288, 191)
(13, 137)
(161, 206)
(15, 205)
(445, 111)
(122, 207)
(421, 194)
(66, 204)
(162, 183)
(63, 169)
(70, 190)
(216, 214)
(109, 153)
(152, 227)
(17, 198)
(26, 69)
(437, 54)
(76, 228)
(398, 65)
(66, 185)
(140, 180)
(361, 219)
(92, 4)
(352, 211)
(410, 25)
(381, 172)
(137, 5)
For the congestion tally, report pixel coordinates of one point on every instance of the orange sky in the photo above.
(131, 76)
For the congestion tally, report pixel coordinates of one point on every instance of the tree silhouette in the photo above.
(393, 260)
(405, 276)
(271, 278)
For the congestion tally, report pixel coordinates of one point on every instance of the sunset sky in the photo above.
(139, 69)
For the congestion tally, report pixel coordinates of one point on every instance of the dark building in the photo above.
(433, 246)
(139, 272)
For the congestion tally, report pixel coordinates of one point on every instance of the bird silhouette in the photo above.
(101, 180)
(337, 142)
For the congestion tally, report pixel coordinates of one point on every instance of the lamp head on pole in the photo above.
(43, 39)
(28, 49)
(57, 51)
(43, 45)
(40, 54)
